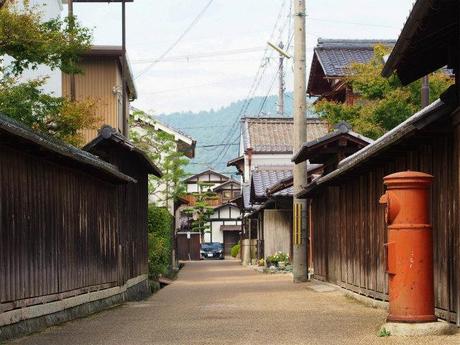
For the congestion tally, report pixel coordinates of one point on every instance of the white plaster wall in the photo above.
(274, 159)
(50, 9)
(217, 234)
(192, 188)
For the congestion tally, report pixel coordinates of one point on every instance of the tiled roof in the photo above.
(265, 177)
(335, 56)
(231, 181)
(246, 194)
(274, 135)
(58, 149)
(332, 59)
(342, 128)
(107, 133)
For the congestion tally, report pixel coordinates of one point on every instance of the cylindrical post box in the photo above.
(410, 247)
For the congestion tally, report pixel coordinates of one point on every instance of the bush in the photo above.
(278, 257)
(235, 250)
(159, 238)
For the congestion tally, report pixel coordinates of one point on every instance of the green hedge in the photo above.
(235, 250)
(159, 236)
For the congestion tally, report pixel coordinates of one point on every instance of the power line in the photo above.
(216, 145)
(202, 55)
(226, 149)
(254, 86)
(177, 41)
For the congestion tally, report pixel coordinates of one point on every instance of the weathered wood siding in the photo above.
(277, 227)
(133, 208)
(64, 232)
(349, 229)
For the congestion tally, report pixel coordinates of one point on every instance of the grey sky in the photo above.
(179, 84)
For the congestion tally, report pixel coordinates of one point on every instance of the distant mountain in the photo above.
(218, 127)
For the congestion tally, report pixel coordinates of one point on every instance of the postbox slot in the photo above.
(390, 253)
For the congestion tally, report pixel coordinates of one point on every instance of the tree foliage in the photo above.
(159, 241)
(161, 148)
(29, 42)
(382, 103)
(201, 211)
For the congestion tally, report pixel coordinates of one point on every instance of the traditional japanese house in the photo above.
(265, 141)
(348, 227)
(225, 222)
(68, 244)
(272, 192)
(228, 191)
(225, 226)
(113, 147)
(331, 64)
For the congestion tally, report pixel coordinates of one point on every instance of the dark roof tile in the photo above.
(274, 135)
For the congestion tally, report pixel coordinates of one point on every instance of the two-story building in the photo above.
(332, 59)
(225, 222)
(266, 150)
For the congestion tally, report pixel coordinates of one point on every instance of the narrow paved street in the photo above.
(223, 303)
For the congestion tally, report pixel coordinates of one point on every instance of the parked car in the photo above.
(212, 250)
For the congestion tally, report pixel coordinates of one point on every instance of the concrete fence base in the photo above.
(24, 321)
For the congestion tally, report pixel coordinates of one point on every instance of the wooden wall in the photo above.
(277, 228)
(61, 232)
(99, 79)
(133, 206)
(349, 229)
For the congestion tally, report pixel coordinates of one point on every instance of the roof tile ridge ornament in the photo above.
(106, 131)
(343, 127)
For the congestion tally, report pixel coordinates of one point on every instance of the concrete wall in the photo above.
(277, 231)
(24, 321)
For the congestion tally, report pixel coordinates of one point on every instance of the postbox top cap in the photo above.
(408, 177)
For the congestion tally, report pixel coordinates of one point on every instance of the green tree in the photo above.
(201, 211)
(28, 41)
(382, 103)
(162, 149)
(160, 241)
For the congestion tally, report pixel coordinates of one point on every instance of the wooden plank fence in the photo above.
(348, 223)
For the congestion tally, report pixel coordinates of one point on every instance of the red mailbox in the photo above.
(410, 247)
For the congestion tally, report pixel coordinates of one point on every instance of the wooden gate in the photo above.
(188, 245)
(230, 239)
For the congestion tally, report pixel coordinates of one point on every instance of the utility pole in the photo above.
(425, 91)
(300, 237)
(124, 93)
(281, 86)
(282, 89)
(71, 27)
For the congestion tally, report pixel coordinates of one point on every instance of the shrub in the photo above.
(159, 240)
(235, 250)
(277, 257)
